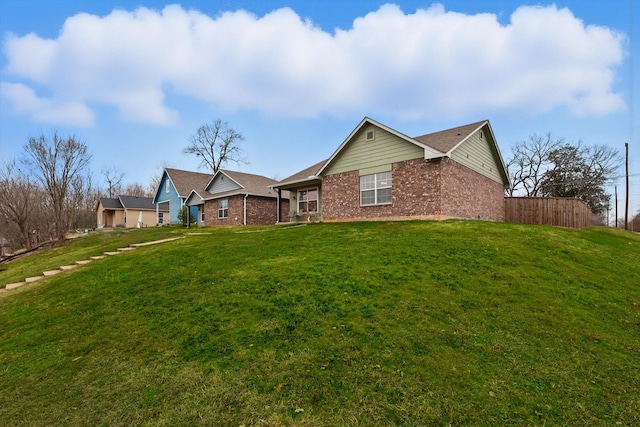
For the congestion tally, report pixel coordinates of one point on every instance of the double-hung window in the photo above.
(308, 201)
(223, 208)
(375, 189)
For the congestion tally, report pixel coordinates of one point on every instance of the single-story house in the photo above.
(380, 173)
(175, 186)
(129, 211)
(238, 198)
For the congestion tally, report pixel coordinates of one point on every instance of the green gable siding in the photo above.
(476, 154)
(384, 149)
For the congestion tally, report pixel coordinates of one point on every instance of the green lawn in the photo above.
(358, 324)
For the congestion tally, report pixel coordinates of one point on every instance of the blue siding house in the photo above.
(175, 186)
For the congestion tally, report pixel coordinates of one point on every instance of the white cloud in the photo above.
(426, 64)
(25, 102)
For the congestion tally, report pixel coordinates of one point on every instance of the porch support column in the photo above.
(279, 207)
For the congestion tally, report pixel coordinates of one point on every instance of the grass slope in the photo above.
(398, 323)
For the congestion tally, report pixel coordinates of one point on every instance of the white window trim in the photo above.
(222, 210)
(375, 190)
(167, 186)
(317, 199)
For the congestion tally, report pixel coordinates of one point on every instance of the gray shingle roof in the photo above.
(110, 203)
(185, 181)
(132, 202)
(138, 203)
(256, 185)
(445, 140)
(301, 176)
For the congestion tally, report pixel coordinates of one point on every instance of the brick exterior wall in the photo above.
(260, 211)
(468, 194)
(285, 210)
(421, 189)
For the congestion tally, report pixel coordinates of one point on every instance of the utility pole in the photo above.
(615, 219)
(626, 206)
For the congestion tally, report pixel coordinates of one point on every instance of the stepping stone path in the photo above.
(131, 247)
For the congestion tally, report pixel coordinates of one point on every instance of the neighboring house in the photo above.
(237, 198)
(175, 186)
(380, 173)
(128, 211)
(5, 247)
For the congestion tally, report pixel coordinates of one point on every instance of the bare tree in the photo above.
(20, 201)
(529, 163)
(216, 144)
(113, 177)
(80, 206)
(136, 190)
(58, 161)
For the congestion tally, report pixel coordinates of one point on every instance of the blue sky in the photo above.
(135, 79)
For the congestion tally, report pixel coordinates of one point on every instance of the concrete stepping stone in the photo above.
(87, 261)
(155, 242)
(51, 273)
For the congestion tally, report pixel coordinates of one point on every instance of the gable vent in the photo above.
(370, 135)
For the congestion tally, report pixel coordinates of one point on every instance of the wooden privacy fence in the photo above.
(559, 211)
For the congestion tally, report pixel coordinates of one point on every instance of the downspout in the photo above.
(244, 220)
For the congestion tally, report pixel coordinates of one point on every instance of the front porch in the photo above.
(309, 217)
(305, 202)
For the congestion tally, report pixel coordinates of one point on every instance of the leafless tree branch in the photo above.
(216, 144)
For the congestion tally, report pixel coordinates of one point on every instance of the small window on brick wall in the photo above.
(375, 189)
(223, 208)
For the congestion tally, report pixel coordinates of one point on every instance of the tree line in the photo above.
(51, 190)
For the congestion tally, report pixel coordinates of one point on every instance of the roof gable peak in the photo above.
(367, 120)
